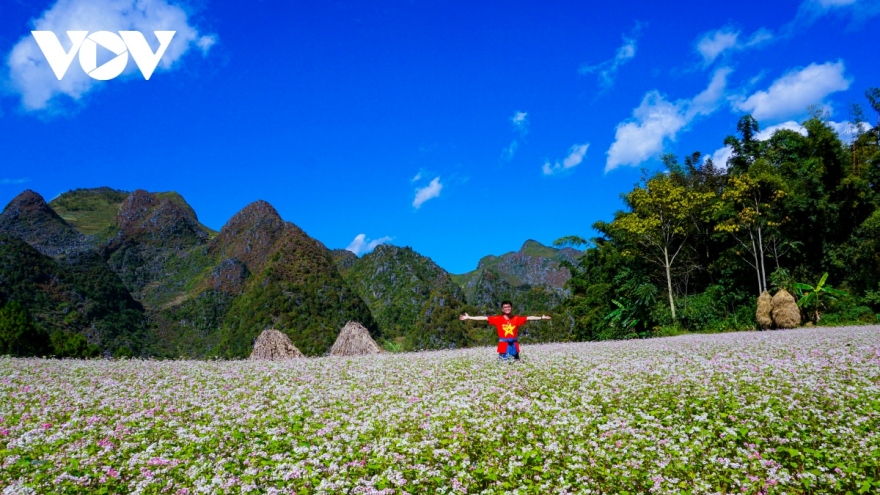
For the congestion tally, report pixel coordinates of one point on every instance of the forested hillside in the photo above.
(695, 245)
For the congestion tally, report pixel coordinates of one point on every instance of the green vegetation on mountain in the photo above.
(75, 294)
(90, 211)
(299, 292)
(404, 290)
(489, 289)
(534, 265)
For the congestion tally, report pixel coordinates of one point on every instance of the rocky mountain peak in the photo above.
(135, 209)
(29, 218)
(250, 234)
(145, 216)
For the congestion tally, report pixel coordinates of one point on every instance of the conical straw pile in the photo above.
(272, 344)
(354, 340)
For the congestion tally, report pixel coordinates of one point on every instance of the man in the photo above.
(508, 329)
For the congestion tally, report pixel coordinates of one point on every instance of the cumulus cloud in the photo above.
(575, 157)
(657, 120)
(713, 44)
(30, 75)
(607, 70)
(417, 177)
(361, 245)
(792, 93)
(8, 181)
(430, 191)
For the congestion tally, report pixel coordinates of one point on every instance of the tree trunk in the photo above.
(757, 266)
(761, 248)
(669, 282)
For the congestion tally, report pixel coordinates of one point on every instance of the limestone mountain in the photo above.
(490, 288)
(534, 265)
(137, 273)
(259, 272)
(138, 270)
(158, 248)
(406, 292)
(30, 218)
(294, 286)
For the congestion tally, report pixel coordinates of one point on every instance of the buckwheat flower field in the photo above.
(773, 412)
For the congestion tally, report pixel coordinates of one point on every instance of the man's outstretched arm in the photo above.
(469, 317)
(533, 318)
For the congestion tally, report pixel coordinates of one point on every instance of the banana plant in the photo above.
(810, 295)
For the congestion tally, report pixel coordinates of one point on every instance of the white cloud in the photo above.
(714, 43)
(508, 152)
(417, 177)
(361, 245)
(607, 70)
(575, 157)
(721, 155)
(520, 121)
(430, 191)
(727, 39)
(7, 181)
(657, 120)
(30, 75)
(791, 125)
(845, 130)
(205, 43)
(792, 93)
(859, 10)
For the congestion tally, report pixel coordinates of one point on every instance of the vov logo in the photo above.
(127, 42)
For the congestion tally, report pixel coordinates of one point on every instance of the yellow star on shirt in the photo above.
(508, 329)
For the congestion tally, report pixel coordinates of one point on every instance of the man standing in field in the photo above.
(508, 329)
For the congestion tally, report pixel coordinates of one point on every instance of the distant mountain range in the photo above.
(137, 274)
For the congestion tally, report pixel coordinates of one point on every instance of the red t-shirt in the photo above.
(507, 329)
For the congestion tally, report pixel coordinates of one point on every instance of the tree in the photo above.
(661, 219)
(748, 203)
(747, 149)
(19, 336)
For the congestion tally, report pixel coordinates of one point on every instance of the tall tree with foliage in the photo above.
(748, 202)
(661, 218)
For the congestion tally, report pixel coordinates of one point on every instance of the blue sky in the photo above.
(460, 130)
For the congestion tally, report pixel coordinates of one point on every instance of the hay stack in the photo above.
(765, 306)
(786, 313)
(272, 344)
(354, 340)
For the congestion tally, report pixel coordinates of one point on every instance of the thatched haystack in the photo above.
(354, 340)
(786, 313)
(272, 344)
(765, 307)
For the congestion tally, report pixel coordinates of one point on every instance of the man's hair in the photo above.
(507, 303)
